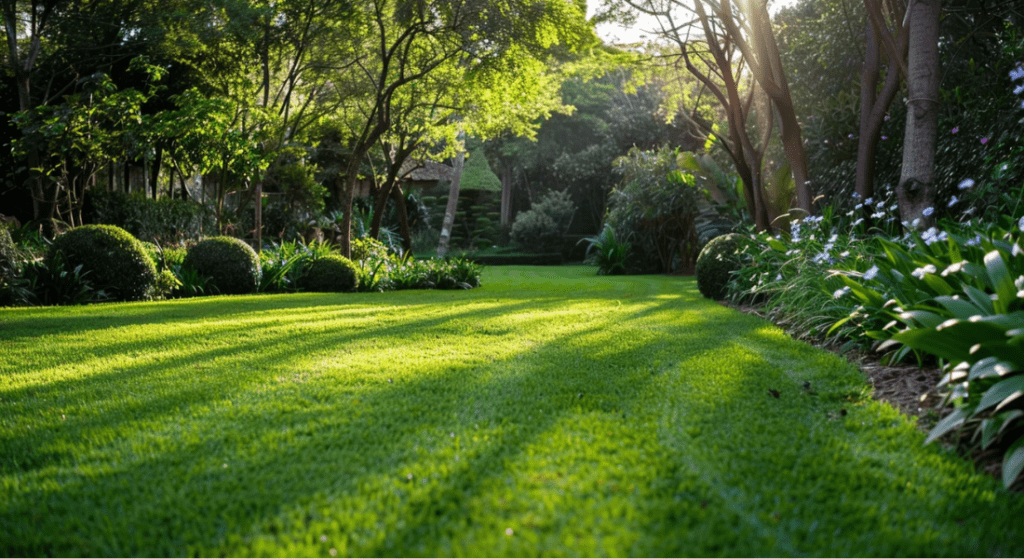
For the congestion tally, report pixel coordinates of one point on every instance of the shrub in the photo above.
(369, 248)
(160, 219)
(232, 266)
(51, 282)
(655, 207)
(8, 258)
(333, 273)
(117, 262)
(607, 253)
(542, 227)
(719, 259)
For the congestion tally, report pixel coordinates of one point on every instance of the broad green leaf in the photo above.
(990, 367)
(950, 422)
(926, 319)
(959, 308)
(1013, 462)
(980, 298)
(1002, 282)
(1011, 387)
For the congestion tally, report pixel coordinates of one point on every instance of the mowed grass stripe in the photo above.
(549, 412)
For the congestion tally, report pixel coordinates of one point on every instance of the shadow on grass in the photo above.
(582, 438)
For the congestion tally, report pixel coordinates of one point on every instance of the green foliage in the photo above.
(333, 273)
(962, 302)
(655, 207)
(542, 227)
(607, 253)
(721, 257)
(477, 173)
(369, 248)
(159, 220)
(8, 258)
(284, 264)
(51, 282)
(116, 261)
(232, 266)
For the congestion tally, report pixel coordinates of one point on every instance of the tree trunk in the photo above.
(155, 172)
(403, 218)
(916, 191)
(875, 104)
(506, 195)
(453, 202)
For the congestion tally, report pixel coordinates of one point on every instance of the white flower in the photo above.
(1017, 73)
(878, 215)
(954, 268)
(952, 201)
(858, 206)
(871, 273)
(778, 277)
(1018, 90)
(965, 184)
(858, 222)
(919, 273)
(1020, 224)
(916, 222)
(928, 211)
(869, 201)
(840, 292)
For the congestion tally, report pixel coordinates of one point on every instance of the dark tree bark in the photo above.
(916, 190)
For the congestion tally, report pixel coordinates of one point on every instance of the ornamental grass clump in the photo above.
(116, 262)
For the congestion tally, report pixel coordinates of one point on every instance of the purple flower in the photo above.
(928, 211)
(952, 201)
(965, 184)
(984, 140)
(955, 129)
(1017, 73)
(885, 137)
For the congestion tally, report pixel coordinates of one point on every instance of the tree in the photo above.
(407, 41)
(916, 190)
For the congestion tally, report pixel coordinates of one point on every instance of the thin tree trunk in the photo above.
(444, 245)
(403, 218)
(916, 191)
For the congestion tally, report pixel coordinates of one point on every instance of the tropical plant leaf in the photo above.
(950, 422)
(1002, 390)
(1013, 462)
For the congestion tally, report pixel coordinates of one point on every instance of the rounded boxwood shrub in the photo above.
(232, 266)
(332, 273)
(720, 257)
(116, 261)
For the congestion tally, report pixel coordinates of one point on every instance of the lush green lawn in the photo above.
(550, 412)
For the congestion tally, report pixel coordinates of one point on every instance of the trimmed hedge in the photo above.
(232, 266)
(716, 262)
(116, 261)
(332, 273)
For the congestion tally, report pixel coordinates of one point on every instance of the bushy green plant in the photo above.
(720, 258)
(160, 219)
(53, 282)
(655, 208)
(607, 253)
(333, 273)
(369, 248)
(116, 261)
(8, 258)
(232, 266)
(283, 264)
(541, 228)
(961, 300)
